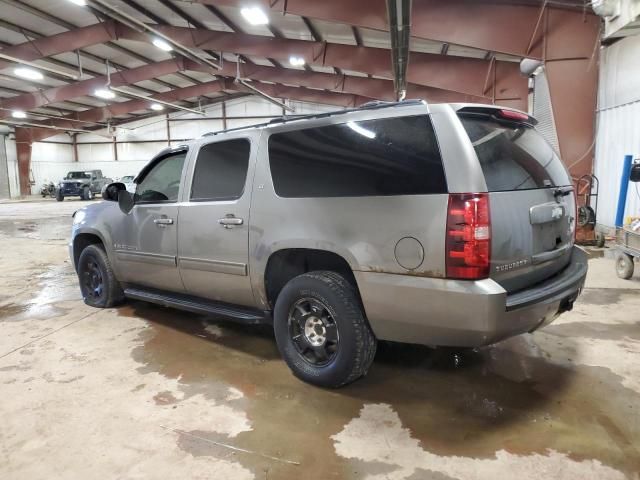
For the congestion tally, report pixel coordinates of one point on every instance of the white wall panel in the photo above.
(618, 134)
(194, 128)
(618, 125)
(139, 152)
(93, 152)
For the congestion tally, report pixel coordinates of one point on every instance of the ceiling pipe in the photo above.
(132, 22)
(38, 125)
(37, 66)
(399, 15)
(240, 81)
(153, 100)
(56, 117)
(267, 97)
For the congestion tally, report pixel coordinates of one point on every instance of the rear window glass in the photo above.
(393, 156)
(514, 157)
(221, 170)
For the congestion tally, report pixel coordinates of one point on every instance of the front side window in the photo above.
(389, 156)
(221, 170)
(162, 183)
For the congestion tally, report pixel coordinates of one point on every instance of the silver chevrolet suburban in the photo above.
(443, 225)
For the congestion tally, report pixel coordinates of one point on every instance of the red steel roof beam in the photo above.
(497, 27)
(33, 100)
(43, 47)
(463, 75)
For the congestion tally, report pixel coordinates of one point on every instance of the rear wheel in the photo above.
(98, 284)
(321, 331)
(624, 265)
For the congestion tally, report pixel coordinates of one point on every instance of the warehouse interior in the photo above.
(144, 391)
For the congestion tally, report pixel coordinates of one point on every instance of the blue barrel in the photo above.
(624, 187)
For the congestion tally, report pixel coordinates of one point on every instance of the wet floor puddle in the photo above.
(53, 286)
(51, 228)
(462, 403)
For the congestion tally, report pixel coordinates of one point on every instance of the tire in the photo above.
(600, 240)
(624, 266)
(98, 284)
(59, 197)
(85, 194)
(349, 344)
(586, 216)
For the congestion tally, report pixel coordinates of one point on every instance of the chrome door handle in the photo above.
(163, 221)
(229, 220)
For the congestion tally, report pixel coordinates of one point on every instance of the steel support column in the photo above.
(23, 149)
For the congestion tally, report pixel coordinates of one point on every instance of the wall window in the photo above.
(221, 170)
(391, 156)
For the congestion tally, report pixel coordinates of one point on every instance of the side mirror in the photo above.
(111, 191)
(126, 201)
(635, 173)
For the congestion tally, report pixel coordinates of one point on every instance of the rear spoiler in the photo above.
(504, 114)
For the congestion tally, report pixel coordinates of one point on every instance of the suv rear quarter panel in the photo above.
(362, 230)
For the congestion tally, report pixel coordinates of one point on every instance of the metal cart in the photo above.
(587, 189)
(628, 246)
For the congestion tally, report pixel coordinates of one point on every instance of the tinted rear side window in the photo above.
(221, 170)
(394, 156)
(514, 157)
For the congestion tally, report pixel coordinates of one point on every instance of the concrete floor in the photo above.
(146, 392)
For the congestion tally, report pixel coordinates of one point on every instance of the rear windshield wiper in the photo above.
(562, 191)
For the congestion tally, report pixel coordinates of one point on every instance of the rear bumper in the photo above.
(433, 311)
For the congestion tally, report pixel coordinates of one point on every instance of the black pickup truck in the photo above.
(84, 184)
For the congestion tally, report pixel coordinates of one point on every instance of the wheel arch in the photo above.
(82, 240)
(287, 263)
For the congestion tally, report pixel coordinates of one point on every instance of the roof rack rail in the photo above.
(374, 104)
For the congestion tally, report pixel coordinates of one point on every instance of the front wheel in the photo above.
(321, 330)
(98, 284)
(86, 194)
(59, 196)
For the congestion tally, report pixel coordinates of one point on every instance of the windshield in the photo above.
(74, 175)
(514, 156)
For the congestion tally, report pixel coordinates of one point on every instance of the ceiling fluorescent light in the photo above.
(18, 114)
(104, 93)
(162, 44)
(82, 3)
(28, 73)
(254, 15)
(296, 61)
(362, 131)
(157, 107)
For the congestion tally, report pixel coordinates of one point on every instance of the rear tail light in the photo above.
(468, 242)
(574, 222)
(511, 115)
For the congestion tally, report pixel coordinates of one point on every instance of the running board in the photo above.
(199, 305)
